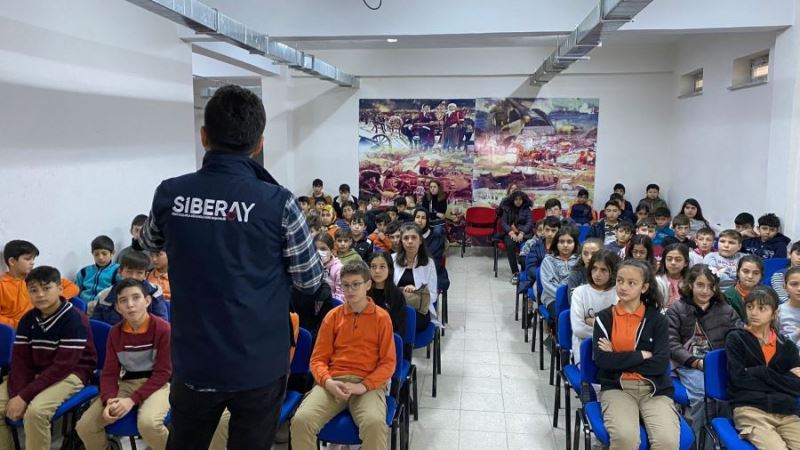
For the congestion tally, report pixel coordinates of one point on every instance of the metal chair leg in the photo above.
(554, 361)
(557, 401)
(516, 308)
(414, 397)
(576, 442)
(567, 413)
(495, 261)
(541, 342)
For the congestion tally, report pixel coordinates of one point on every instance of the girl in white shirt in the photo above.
(591, 298)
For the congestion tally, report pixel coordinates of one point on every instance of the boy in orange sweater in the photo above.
(19, 256)
(352, 362)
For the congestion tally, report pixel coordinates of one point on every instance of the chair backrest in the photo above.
(715, 374)
(411, 325)
(7, 335)
(78, 303)
(564, 331)
(584, 233)
(588, 368)
(562, 299)
(336, 302)
(480, 215)
(302, 353)
(100, 332)
(771, 266)
(539, 286)
(538, 214)
(398, 362)
(168, 307)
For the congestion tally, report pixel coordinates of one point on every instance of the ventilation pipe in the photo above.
(206, 20)
(605, 18)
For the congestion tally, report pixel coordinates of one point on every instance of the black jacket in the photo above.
(651, 337)
(312, 308)
(394, 302)
(770, 387)
(433, 205)
(363, 248)
(715, 321)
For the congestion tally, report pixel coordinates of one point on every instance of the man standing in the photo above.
(237, 242)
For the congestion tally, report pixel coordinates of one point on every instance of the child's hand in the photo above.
(796, 371)
(410, 288)
(120, 407)
(355, 388)
(337, 388)
(16, 408)
(589, 321)
(108, 418)
(605, 345)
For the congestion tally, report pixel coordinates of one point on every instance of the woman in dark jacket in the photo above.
(764, 370)
(698, 323)
(517, 224)
(435, 241)
(435, 202)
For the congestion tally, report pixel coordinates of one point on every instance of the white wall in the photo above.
(96, 111)
(721, 138)
(632, 83)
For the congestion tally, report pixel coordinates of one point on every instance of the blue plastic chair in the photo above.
(408, 371)
(571, 376)
(541, 314)
(127, 426)
(771, 266)
(522, 287)
(168, 306)
(7, 335)
(593, 413)
(721, 429)
(337, 302)
(78, 303)
(75, 403)
(343, 430)
(561, 305)
(583, 231)
(424, 338)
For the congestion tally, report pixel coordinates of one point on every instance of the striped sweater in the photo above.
(49, 349)
(132, 356)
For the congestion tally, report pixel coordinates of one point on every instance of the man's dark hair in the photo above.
(745, 218)
(103, 243)
(344, 188)
(127, 283)
(583, 192)
(619, 186)
(16, 248)
(355, 268)
(302, 199)
(400, 201)
(551, 202)
(139, 220)
(134, 260)
(234, 119)
(393, 208)
(662, 212)
(316, 183)
(653, 186)
(552, 222)
(44, 275)
(770, 220)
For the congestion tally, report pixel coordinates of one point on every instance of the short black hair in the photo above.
(134, 260)
(643, 207)
(44, 275)
(552, 222)
(795, 247)
(128, 283)
(234, 119)
(139, 220)
(316, 183)
(662, 212)
(400, 201)
(393, 227)
(358, 217)
(344, 188)
(16, 248)
(303, 199)
(615, 196)
(653, 186)
(320, 200)
(744, 218)
(583, 193)
(348, 205)
(103, 242)
(381, 218)
(313, 222)
(769, 220)
(343, 233)
(612, 203)
(706, 231)
(356, 268)
(552, 202)
(625, 226)
(619, 186)
(646, 222)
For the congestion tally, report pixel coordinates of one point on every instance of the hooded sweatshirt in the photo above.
(554, 272)
(773, 248)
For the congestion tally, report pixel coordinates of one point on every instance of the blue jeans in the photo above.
(693, 380)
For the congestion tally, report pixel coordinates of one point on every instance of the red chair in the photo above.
(480, 222)
(538, 214)
(499, 246)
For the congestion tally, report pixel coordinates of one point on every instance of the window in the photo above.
(691, 84)
(750, 70)
(697, 85)
(759, 68)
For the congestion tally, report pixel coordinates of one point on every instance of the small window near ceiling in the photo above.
(750, 70)
(691, 84)
(759, 68)
(697, 82)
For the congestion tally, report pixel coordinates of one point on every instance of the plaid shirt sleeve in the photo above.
(299, 252)
(151, 238)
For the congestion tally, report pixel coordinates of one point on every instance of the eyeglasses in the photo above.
(352, 287)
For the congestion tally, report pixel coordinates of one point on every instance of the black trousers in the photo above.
(254, 416)
(511, 254)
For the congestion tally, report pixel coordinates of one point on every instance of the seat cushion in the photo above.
(79, 398)
(728, 435)
(680, 395)
(425, 337)
(594, 413)
(544, 312)
(573, 375)
(477, 232)
(290, 404)
(343, 430)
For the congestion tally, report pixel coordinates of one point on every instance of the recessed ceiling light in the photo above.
(391, 40)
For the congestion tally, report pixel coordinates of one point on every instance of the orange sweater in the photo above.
(360, 345)
(160, 279)
(384, 244)
(14, 299)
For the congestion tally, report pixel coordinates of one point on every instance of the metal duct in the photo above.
(206, 20)
(606, 17)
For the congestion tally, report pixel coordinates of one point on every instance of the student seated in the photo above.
(49, 363)
(764, 382)
(344, 247)
(331, 265)
(748, 275)
(789, 311)
(647, 227)
(698, 324)
(651, 199)
(318, 194)
(580, 273)
(136, 372)
(642, 212)
(624, 215)
(385, 293)
(745, 224)
(435, 241)
(415, 274)
(100, 275)
(771, 243)
(159, 274)
(691, 209)
(516, 225)
(401, 205)
(779, 278)
(581, 211)
(343, 198)
(305, 204)
(672, 271)
(134, 266)
(538, 248)
(380, 238)
(704, 239)
(328, 218)
(631, 350)
(393, 231)
(19, 256)
(640, 247)
(591, 298)
(627, 209)
(605, 229)
(352, 363)
(319, 204)
(136, 228)
(558, 264)
(361, 243)
(680, 228)
(725, 260)
(552, 208)
(622, 235)
(314, 225)
(347, 214)
(662, 216)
